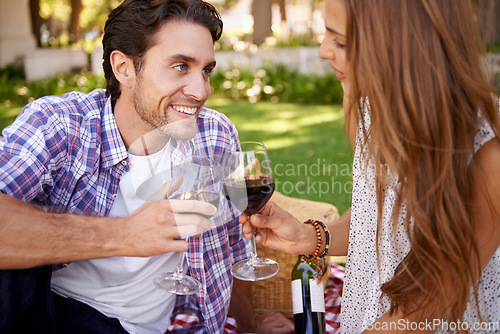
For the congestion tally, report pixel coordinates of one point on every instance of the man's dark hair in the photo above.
(132, 26)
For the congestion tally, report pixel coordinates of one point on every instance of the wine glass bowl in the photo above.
(199, 180)
(248, 185)
(251, 193)
(202, 195)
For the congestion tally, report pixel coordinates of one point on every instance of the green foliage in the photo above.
(496, 82)
(95, 13)
(15, 91)
(56, 9)
(298, 41)
(11, 77)
(8, 114)
(239, 40)
(13, 72)
(277, 84)
(493, 48)
(274, 83)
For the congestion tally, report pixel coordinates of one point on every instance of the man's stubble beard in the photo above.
(182, 129)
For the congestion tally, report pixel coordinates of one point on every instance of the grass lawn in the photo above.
(306, 143)
(8, 114)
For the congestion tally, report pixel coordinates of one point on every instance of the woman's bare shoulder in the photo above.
(487, 158)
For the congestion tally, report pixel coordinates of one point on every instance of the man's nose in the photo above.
(198, 87)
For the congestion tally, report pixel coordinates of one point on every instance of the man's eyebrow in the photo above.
(188, 59)
(181, 57)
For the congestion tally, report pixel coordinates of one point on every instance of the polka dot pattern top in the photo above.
(361, 302)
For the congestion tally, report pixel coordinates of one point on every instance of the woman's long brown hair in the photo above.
(418, 63)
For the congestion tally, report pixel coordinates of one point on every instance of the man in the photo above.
(69, 168)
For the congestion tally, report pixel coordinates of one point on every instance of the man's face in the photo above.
(173, 83)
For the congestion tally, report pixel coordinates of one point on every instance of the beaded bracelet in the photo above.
(314, 256)
(328, 239)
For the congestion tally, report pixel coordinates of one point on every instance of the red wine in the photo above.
(249, 194)
(308, 299)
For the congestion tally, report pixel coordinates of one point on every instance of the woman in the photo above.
(423, 234)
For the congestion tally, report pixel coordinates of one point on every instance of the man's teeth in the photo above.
(185, 110)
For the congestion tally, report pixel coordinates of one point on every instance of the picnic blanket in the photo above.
(333, 296)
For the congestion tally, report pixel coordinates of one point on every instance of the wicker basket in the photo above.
(275, 294)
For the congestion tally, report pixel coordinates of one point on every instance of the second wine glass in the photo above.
(199, 180)
(248, 185)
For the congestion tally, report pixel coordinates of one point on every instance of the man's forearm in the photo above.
(31, 237)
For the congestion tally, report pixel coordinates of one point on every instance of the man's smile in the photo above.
(185, 109)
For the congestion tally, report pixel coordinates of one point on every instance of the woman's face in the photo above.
(333, 45)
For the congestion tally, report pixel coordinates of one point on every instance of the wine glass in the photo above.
(248, 184)
(201, 180)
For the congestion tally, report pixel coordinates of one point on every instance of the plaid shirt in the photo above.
(66, 154)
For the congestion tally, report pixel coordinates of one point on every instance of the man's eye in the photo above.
(181, 67)
(208, 71)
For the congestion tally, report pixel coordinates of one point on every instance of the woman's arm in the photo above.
(486, 212)
(278, 229)
(339, 231)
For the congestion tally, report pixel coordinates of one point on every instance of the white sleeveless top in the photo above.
(361, 304)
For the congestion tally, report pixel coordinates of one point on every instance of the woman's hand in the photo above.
(278, 229)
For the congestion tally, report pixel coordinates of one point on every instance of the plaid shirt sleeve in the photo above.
(25, 156)
(58, 153)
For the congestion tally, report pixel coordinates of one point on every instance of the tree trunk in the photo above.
(74, 23)
(36, 21)
(489, 24)
(282, 10)
(262, 20)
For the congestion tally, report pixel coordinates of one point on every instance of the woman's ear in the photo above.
(123, 68)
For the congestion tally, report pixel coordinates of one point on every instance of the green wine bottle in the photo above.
(308, 298)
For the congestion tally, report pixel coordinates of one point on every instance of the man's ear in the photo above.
(123, 68)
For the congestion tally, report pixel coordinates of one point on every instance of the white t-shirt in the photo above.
(122, 287)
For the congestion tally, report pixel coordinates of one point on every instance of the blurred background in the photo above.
(36, 31)
(269, 79)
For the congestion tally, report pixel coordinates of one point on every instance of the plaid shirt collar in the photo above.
(114, 150)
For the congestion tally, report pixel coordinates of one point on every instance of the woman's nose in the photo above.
(326, 50)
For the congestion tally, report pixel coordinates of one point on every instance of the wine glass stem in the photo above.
(254, 259)
(180, 265)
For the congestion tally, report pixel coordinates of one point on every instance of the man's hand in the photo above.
(274, 323)
(155, 226)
